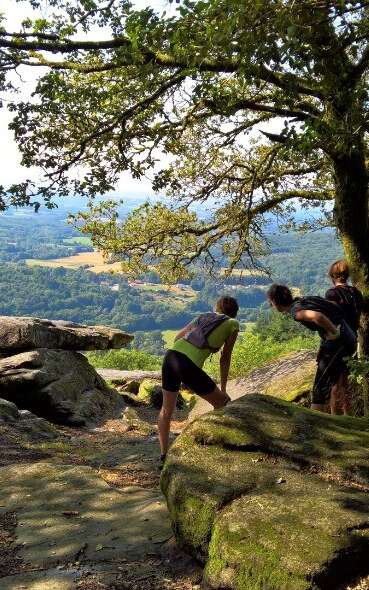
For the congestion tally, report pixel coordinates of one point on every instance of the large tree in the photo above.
(262, 107)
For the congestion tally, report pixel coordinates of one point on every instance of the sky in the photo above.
(11, 170)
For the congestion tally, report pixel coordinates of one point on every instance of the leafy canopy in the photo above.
(253, 104)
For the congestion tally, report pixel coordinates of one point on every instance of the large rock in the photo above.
(8, 411)
(118, 376)
(26, 333)
(24, 422)
(58, 385)
(270, 495)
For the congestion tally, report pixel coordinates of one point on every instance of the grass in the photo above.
(83, 240)
(251, 352)
(168, 337)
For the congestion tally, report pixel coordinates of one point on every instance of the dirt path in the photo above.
(85, 512)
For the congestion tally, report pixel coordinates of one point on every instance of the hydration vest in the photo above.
(203, 326)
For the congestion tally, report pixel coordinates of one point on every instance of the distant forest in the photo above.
(300, 260)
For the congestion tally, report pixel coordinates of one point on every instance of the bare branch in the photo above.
(287, 196)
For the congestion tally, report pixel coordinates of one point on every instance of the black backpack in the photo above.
(203, 326)
(350, 304)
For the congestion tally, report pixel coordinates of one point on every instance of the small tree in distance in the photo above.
(202, 84)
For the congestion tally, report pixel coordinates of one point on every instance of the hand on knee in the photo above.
(227, 399)
(222, 401)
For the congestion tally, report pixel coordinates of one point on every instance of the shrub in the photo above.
(125, 360)
(252, 351)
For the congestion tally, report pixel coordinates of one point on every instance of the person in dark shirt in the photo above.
(337, 339)
(350, 300)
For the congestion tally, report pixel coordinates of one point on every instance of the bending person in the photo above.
(183, 362)
(337, 339)
(350, 301)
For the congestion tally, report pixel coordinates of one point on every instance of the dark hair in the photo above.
(280, 294)
(227, 305)
(339, 270)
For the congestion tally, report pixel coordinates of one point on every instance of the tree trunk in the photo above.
(352, 222)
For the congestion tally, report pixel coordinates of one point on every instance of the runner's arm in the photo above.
(320, 320)
(225, 360)
(184, 331)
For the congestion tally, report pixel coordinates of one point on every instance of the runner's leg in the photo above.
(216, 398)
(335, 401)
(345, 393)
(166, 412)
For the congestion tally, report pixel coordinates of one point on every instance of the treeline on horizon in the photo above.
(82, 296)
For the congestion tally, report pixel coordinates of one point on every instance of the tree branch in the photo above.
(285, 81)
(136, 108)
(287, 196)
(258, 107)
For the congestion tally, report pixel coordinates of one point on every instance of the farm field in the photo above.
(180, 295)
(85, 241)
(94, 260)
(168, 337)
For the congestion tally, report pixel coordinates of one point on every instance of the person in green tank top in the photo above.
(183, 364)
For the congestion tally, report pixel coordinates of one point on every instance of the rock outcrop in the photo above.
(27, 333)
(59, 385)
(269, 494)
(25, 422)
(41, 372)
(289, 377)
(117, 376)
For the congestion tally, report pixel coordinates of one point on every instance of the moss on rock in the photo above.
(263, 492)
(150, 392)
(296, 385)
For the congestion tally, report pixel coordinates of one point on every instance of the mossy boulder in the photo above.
(132, 386)
(295, 384)
(151, 393)
(271, 495)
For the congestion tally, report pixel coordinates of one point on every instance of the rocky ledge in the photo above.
(41, 371)
(26, 333)
(59, 385)
(272, 495)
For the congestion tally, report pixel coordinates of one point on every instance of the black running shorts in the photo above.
(178, 368)
(331, 363)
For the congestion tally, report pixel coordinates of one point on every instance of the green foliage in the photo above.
(252, 351)
(38, 236)
(125, 360)
(281, 328)
(359, 369)
(201, 84)
(151, 342)
(85, 297)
